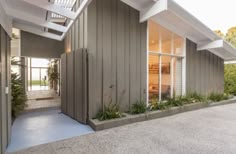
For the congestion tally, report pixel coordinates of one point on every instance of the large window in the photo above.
(166, 54)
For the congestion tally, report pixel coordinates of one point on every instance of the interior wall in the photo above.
(117, 49)
(5, 94)
(40, 47)
(204, 71)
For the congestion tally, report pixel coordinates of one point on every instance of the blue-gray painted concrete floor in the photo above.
(42, 127)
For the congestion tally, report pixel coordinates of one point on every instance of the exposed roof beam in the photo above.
(36, 31)
(53, 8)
(158, 7)
(211, 45)
(132, 4)
(35, 20)
(218, 44)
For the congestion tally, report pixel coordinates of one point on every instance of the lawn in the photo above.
(37, 82)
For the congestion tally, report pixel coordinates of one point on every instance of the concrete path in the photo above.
(206, 131)
(35, 128)
(38, 100)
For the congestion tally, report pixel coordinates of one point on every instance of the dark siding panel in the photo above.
(64, 83)
(143, 61)
(121, 55)
(107, 52)
(78, 85)
(204, 71)
(5, 99)
(127, 57)
(114, 34)
(115, 61)
(92, 56)
(3, 85)
(70, 84)
(133, 57)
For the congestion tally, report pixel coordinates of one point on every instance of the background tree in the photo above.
(230, 69)
(219, 33)
(231, 36)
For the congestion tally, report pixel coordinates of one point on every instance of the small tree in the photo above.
(18, 93)
(53, 75)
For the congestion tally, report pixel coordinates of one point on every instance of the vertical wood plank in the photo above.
(106, 49)
(93, 105)
(138, 57)
(3, 95)
(133, 57)
(121, 55)
(78, 85)
(70, 84)
(127, 56)
(99, 61)
(144, 61)
(64, 83)
(114, 49)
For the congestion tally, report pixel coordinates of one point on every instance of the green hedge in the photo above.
(230, 79)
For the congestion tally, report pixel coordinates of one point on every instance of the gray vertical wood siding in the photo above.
(77, 36)
(204, 71)
(5, 99)
(117, 49)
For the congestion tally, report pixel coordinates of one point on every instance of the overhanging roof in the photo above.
(175, 18)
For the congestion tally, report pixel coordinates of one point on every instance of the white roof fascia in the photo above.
(191, 20)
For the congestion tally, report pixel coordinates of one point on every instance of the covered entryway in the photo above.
(35, 128)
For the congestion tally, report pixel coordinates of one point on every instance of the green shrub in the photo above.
(230, 79)
(216, 97)
(154, 105)
(195, 97)
(18, 94)
(139, 107)
(174, 102)
(111, 111)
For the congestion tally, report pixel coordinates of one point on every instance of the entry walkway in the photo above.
(207, 131)
(31, 129)
(42, 99)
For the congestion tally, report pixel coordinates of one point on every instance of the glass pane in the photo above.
(154, 37)
(166, 77)
(36, 76)
(153, 77)
(177, 76)
(37, 62)
(178, 45)
(44, 77)
(166, 37)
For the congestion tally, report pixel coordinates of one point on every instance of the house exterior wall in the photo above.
(5, 98)
(117, 55)
(40, 47)
(204, 71)
(77, 36)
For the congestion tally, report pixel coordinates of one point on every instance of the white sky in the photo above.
(216, 14)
